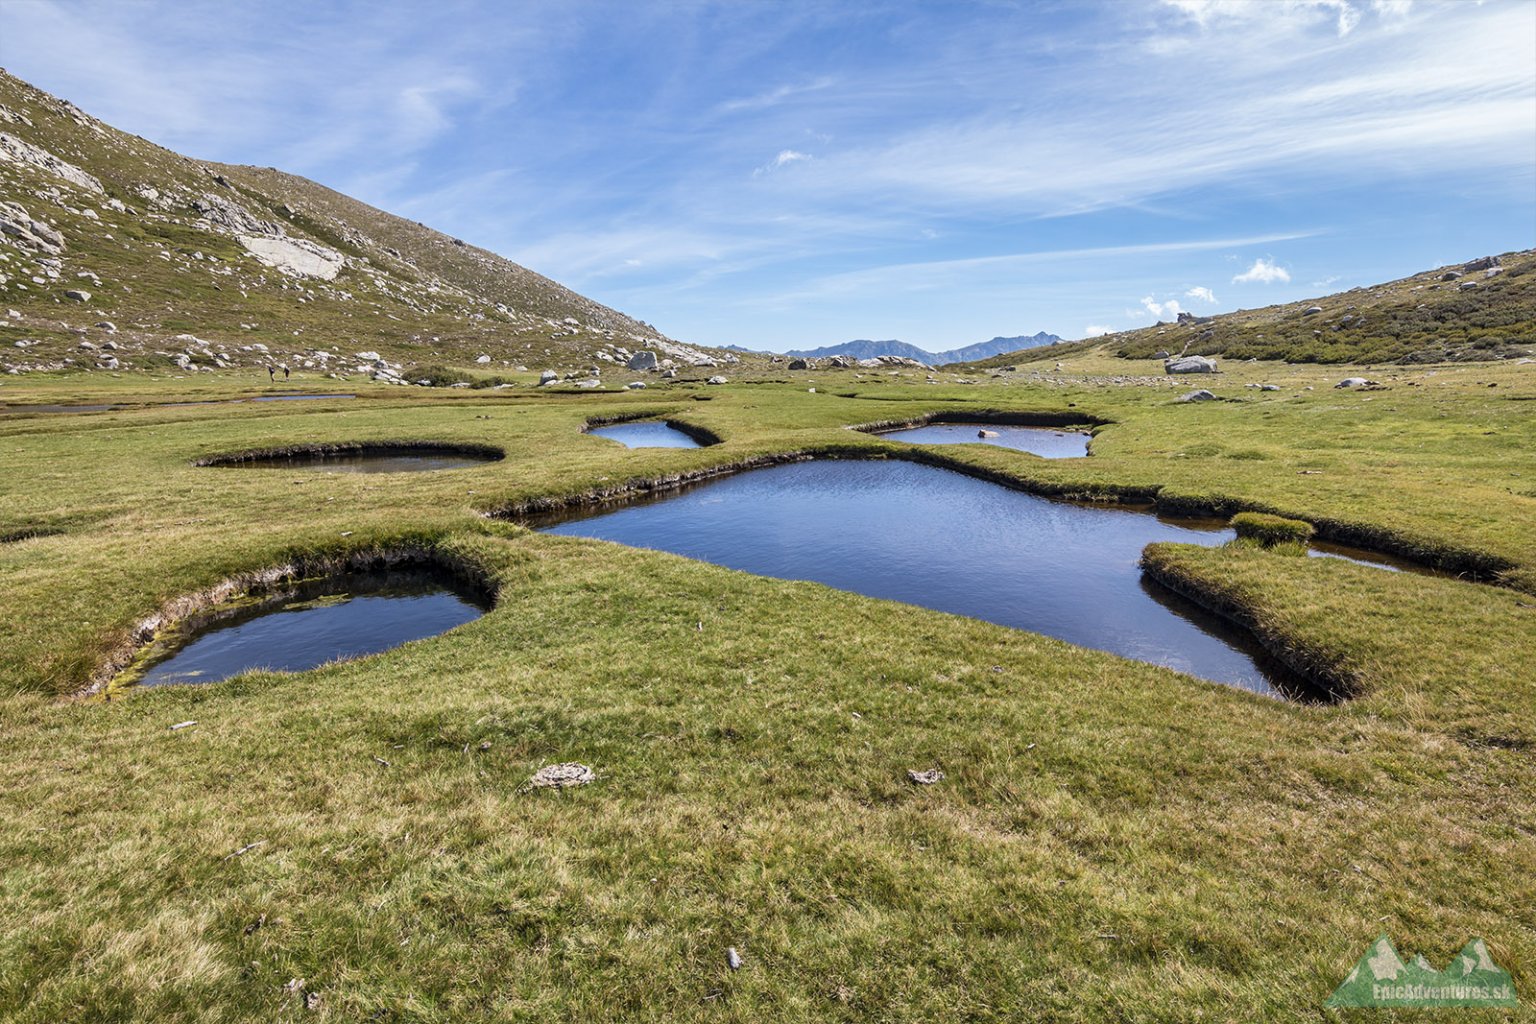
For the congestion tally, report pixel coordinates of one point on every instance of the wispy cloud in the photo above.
(773, 97)
(784, 159)
(1097, 330)
(1201, 294)
(1263, 271)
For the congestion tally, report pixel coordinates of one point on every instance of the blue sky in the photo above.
(787, 175)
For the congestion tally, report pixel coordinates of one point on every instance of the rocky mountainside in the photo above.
(863, 349)
(118, 254)
(1481, 310)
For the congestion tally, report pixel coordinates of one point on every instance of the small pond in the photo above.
(1046, 442)
(645, 434)
(307, 624)
(372, 460)
(937, 538)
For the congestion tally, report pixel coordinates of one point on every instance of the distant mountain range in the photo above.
(864, 349)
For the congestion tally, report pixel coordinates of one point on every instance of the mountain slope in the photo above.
(863, 349)
(101, 227)
(1478, 311)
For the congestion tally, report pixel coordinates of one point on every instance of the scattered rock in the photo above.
(561, 776)
(642, 360)
(1269, 387)
(1485, 263)
(1160, 354)
(800, 364)
(1467, 285)
(548, 377)
(79, 295)
(733, 959)
(717, 380)
(1355, 382)
(482, 359)
(1450, 275)
(926, 778)
(1189, 364)
(1198, 396)
(635, 385)
(1312, 311)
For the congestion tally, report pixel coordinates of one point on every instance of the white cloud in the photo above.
(1202, 293)
(784, 159)
(1344, 14)
(1097, 331)
(1159, 310)
(1263, 271)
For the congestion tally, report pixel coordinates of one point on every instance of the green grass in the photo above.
(1112, 841)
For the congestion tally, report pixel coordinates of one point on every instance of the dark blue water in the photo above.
(939, 539)
(645, 434)
(307, 625)
(1047, 442)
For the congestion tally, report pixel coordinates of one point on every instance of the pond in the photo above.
(306, 624)
(372, 460)
(645, 434)
(943, 540)
(1046, 442)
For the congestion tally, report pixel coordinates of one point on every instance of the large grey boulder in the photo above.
(642, 360)
(548, 377)
(799, 364)
(1189, 364)
(1487, 262)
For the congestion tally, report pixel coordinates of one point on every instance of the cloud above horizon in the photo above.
(1263, 271)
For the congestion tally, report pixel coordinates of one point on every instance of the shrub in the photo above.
(1269, 530)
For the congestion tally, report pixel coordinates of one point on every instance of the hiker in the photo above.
(272, 374)
(285, 371)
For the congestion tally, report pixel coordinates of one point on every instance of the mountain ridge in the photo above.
(121, 254)
(866, 349)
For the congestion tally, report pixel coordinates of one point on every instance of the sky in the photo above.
(794, 174)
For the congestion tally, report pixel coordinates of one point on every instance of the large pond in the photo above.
(307, 624)
(937, 538)
(645, 434)
(373, 460)
(1047, 442)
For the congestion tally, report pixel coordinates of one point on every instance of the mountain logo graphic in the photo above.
(1381, 978)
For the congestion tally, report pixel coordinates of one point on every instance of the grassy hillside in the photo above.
(155, 240)
(1476, 316)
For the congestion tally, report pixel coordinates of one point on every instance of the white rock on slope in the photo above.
(297, 256)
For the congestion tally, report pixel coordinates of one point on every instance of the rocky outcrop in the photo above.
(642, 360)
(298, 257)
(23, 152)
(18, 226)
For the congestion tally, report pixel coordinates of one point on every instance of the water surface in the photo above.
(1047, 442)
(645, 434)
(936, 538)
(308, 624)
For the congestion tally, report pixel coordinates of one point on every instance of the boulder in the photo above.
(482, 359)
(1312, 311)
(642, 360)
(799, 364)
(79, 295)
(1467, 286)
(548, 377)
(841, 362)
(1450, 275)
(1160, 354)
(367, 357)
(1198, 396)
(635, 385)
(717, 380)
(1486, 263)
(1189, 364)
(669, 373)
(1269, 387)
(1354, 382)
